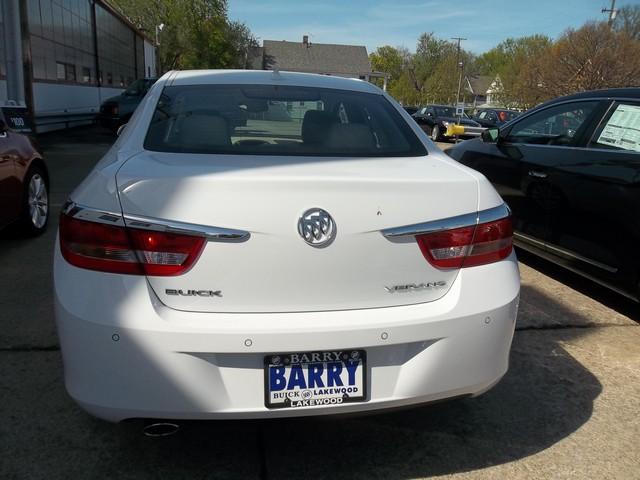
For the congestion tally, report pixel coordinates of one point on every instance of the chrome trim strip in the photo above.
(566, 253)
(91, 214)
(211, 233)
(493, 214)
(217, 234)
(549, 258)
(483, 216)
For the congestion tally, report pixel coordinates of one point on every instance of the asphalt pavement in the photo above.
(568, 407)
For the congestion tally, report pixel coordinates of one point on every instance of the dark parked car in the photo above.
(494, 117)
(411, 110)
(24, 183)
(434, 119)
(116, 111)
(570, 171)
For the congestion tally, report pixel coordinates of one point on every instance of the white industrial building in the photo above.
(62, 58)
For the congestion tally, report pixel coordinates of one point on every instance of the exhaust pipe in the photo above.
(157, 429)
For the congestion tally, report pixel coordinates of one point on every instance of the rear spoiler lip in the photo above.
(465, 220)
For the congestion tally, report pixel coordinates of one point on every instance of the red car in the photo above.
(24, 183)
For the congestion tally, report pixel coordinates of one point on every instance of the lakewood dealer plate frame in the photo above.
(359, 399)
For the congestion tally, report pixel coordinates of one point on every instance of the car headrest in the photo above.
(204, 131)
(350, 136)
(315, 126)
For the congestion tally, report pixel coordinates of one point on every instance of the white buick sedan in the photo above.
(272, 244)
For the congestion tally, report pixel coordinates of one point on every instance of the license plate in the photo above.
(314, 378)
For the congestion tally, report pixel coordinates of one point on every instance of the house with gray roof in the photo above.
(350, 61)
(483, 89)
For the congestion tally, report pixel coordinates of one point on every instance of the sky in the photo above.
(375, 23)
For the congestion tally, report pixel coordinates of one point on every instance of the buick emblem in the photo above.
(317, 228)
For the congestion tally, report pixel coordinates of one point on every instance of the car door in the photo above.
(518, 165)
(597, 230)
(544, 140)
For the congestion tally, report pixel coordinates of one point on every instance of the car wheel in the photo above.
(35, 203)
(435, 133)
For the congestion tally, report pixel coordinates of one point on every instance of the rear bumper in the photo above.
(183, 365)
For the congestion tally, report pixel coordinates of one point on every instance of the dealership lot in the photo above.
(568, 408)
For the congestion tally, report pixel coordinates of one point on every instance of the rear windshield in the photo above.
(278, 120)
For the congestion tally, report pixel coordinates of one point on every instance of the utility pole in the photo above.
(612, 12)
(460, 65)
(157, 52)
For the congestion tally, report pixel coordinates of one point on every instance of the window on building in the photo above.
(86, 74)
(66, 72)
(60, 71)
(61, 39)
(116, 47)
(61, 33)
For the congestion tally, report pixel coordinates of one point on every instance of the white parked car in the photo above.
(260, 244)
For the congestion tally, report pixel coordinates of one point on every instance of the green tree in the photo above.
(437, 70)
(387, 59)
(508, 61)
(430, 75)
(196, 34)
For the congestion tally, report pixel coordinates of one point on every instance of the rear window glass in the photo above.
(278, 120)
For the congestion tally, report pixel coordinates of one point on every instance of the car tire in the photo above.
(435, 133)
(35, 211)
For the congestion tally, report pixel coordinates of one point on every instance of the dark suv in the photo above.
(570, 171)
(116, 111)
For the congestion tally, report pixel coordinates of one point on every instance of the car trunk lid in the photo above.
(275, 269)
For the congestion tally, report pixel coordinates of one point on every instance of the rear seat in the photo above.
(203, 130)
(315, 126)
(350, 136)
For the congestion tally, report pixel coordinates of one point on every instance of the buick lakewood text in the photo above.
(273, 244)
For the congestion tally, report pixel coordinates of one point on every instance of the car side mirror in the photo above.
(490, 135)
(121, 129)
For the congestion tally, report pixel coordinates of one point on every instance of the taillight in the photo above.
(468, 246)
(117, 249)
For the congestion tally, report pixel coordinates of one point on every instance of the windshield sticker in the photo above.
(623, 129)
